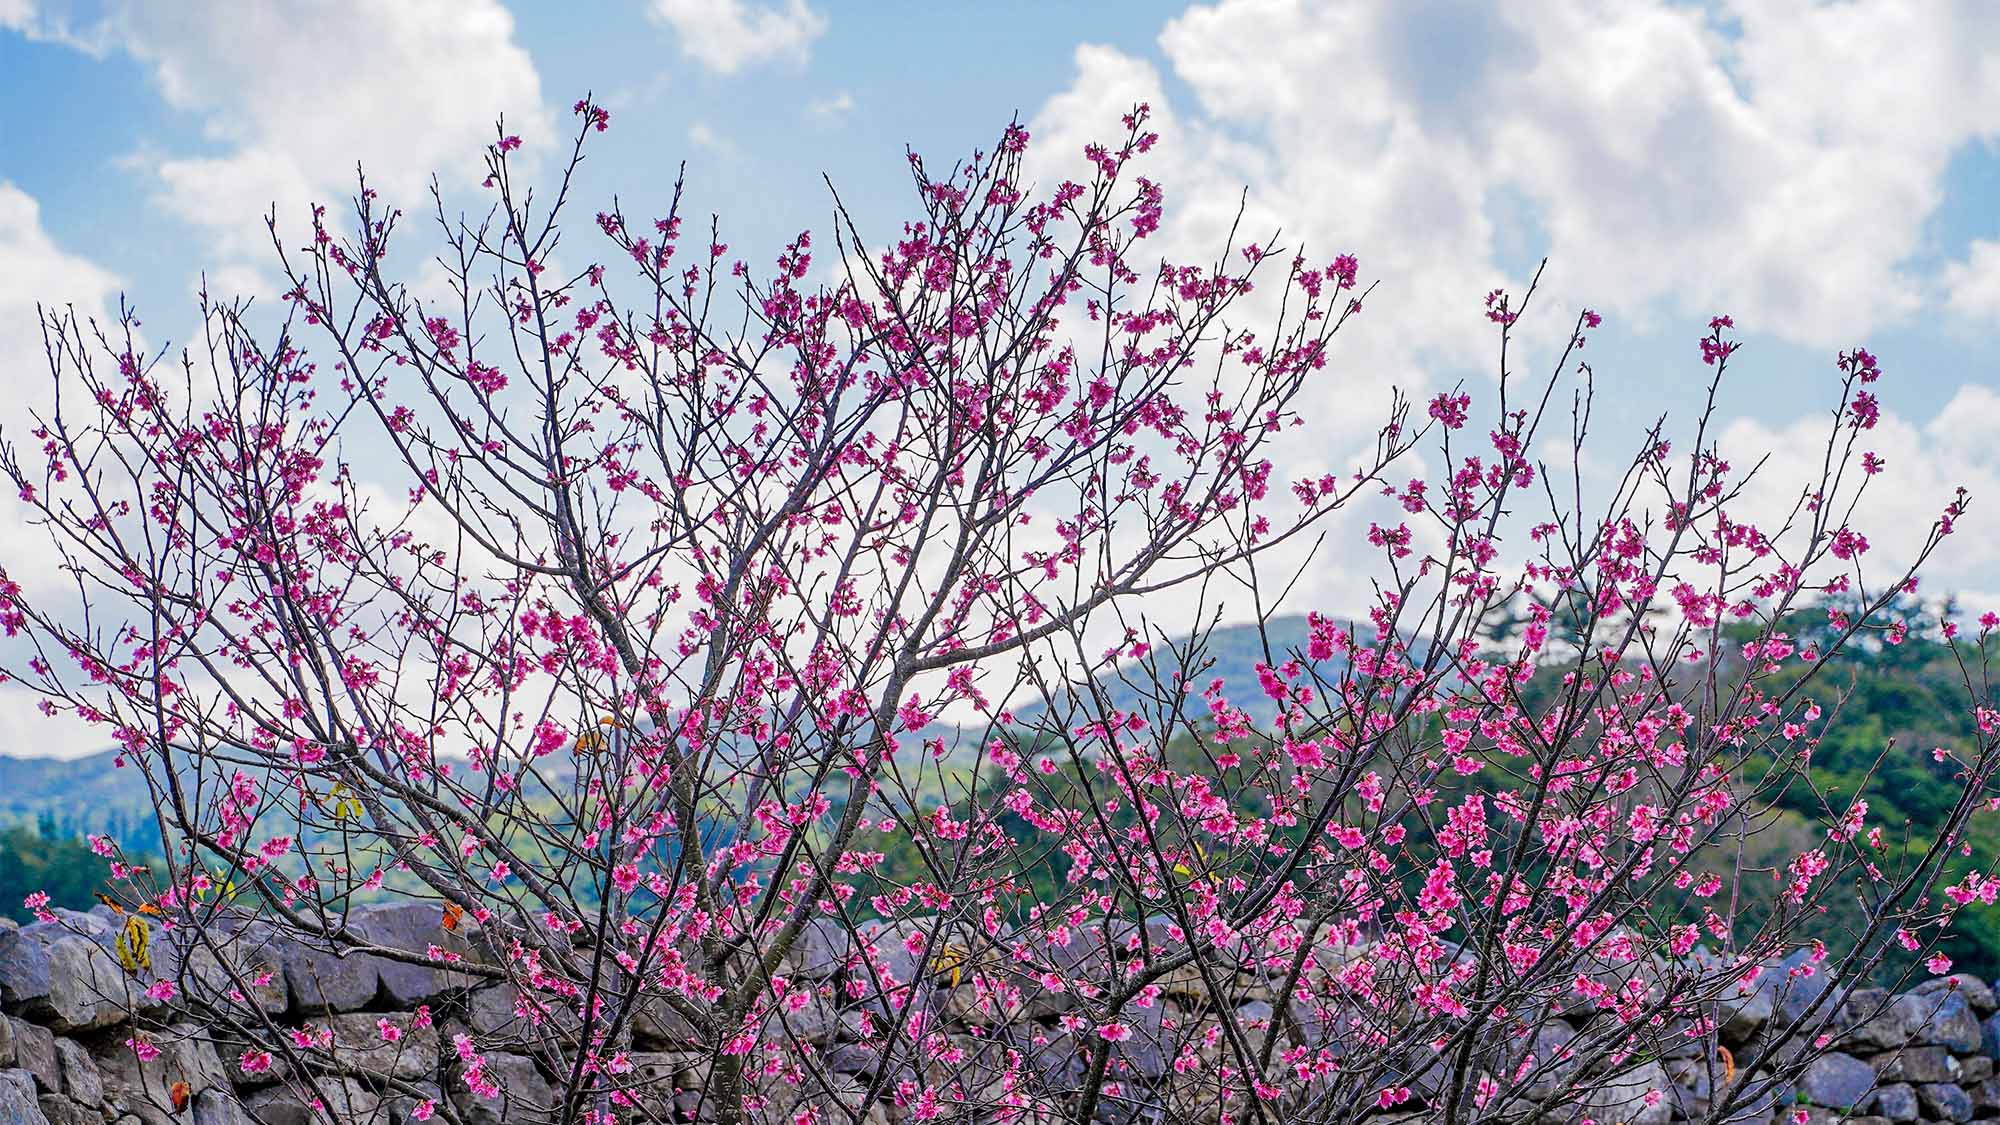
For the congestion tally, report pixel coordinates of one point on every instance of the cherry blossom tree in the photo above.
(680, 691)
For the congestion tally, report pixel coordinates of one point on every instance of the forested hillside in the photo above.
(1892, 706)
(1891, 702)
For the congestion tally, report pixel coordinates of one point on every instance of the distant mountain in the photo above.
(64, 797)
(1230, 653)
(83, 796)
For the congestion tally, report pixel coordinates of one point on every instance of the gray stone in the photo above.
(1897, 1102)
(657, 1024)
(35, 1052)
(1676, 1037)
(1615, 960)
(145, 1088)
(491, 1010)
(1741, 1010)
(1921, 1056)
(63, 974)
(1331, 949)
(231, 1047)
(88, 988)
(1986, 1096)
(219, 1107)
(223, 962)
(1977, 992)
(1916, 1065)
(1145, 1053)
(1779, 999)
(345, 1099)
(24, 966)
(1624, 1096)
(1743, 1016)
(80, 1079)
(1945, 1102)
(525, 1097)
(407, 927)
(1796, 995)
(1837, 1079)
(654, 1080)
(821, 950)
(980, 1065)
(888, 963)
(1056, 1060)
(850, 1058)
(321, 981)
(1038, 1000)
(838, 1100)
(279, 1105)
(505, 1021)
(62, 1111)
(1091, 951)
(1552, 1069)
(1059, 1058)
(1321, 1021)
(811, 1022)
(1941, 1018)
(18, 1105)
(413, 928)
(231, 1054)
(1424, 1073)
(1693, 1093)
(988, 999)
(1162, 939)
(842, 1101)
(1869, 1019)
(358, 1042)
(1753, 1101)
(402, 1108)
(1691, 1082)
(97, 922)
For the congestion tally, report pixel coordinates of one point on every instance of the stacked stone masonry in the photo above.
(71, 1015)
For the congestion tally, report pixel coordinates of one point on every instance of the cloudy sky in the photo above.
(1825, 173)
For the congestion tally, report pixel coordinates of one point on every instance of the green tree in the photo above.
(66, 868)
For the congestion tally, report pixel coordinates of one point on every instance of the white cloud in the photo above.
(289, 97)
(34, 269)
(701, 136)
(833, 109)
(727, 35)
(25, 732)
(1779, 166)
(1765, 159)
(1926, 462)
(36, 274)
(413, 87)
(640, 93)
(1205, 161)
(1972, 286)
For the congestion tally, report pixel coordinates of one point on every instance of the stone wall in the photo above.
(72, 1017)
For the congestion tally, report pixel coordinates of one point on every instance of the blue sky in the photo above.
(91, 114)
(1827, 173)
